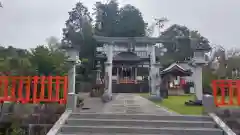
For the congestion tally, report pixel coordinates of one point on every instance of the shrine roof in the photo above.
(126, 56)
(176, 69)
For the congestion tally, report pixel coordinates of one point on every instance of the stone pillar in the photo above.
(72, 97)
(154, 75)
(71, 79)
(110, 58)
(193, 79)
(107, 96)
(158, 79)
(132, 74)
(153, 71)
(198, 62)
(73, 58)
(136, 73)
(153, 55)
(117, 75)
(198, 83)
(208, 104)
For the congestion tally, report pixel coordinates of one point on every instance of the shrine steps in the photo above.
(138, 116)
(139, 123)
(109, 134)
(133, 124)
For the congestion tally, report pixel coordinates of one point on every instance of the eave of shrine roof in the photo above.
(126, 56)
(173, 67)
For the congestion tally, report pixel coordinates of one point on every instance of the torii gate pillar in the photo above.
(107, 96)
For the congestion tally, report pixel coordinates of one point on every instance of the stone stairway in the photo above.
(135, 124)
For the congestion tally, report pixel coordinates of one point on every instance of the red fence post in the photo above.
(20, 89)
(222, 88)
(50, 88)
(238, 91)
(35, 85)
(57, 87)
(42, 94)
(1, 89)
(5, 88)
(230, 91)
(65, 89)
(13, 89)
(28, 88)
(214, 88)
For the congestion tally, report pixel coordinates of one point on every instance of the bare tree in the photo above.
(233, 52)
(53, 43)
(218, 57)
(159, 22)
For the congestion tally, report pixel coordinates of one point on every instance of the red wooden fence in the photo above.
(33, 89)
(226, 92)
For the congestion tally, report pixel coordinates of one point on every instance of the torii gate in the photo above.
(154, 67)
(198, 61)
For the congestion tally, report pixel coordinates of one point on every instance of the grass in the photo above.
(176, 104)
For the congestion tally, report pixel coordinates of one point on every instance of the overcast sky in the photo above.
(27, 23)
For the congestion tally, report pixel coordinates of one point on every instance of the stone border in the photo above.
(167, 110)
(57, 126)
(221, 124)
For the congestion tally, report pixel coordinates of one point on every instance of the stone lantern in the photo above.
(98, 87)
(73, 59)
(198, 61)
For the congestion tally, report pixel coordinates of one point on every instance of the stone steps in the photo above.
(138, 116)
(140, 130)
(135, 124)
(89, 133)
(140, 123)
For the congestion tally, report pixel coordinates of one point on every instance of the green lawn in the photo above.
(176, 103)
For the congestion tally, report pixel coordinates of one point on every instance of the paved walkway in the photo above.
(124, 103)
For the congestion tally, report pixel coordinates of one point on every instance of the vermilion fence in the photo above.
(226, 92)
(35, 89)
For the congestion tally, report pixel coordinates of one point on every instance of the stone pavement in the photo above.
(124, 103)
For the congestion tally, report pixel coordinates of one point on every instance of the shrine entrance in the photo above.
(126, 75)
(125, 65)
(125, 72)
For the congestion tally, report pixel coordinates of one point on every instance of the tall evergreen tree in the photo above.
(113, 21)
(78, 33)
